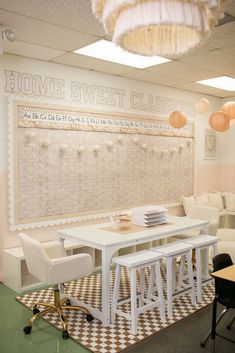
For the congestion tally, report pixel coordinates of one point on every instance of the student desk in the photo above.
(227, 273)
(108, 241)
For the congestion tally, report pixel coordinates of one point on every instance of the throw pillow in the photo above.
(188, 202)
(230, 201)
(215, 200)
(202, 200)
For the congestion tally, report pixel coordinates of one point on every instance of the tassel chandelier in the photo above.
(158, 27)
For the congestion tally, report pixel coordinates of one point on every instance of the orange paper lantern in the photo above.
(229, 108)
(202, 106)
(177, 119)
(219, 121)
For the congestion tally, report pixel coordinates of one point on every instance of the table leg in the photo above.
(61, 286)
(106, 259)
(199, 275)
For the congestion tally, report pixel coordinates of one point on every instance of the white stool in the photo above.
(171, 252)
(137, 261)
(201, 244)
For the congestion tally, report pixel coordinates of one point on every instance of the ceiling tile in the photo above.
(230, 7)
(229, 50)
(31, 50)
(44, 34)
(197, 87)
(215, 60)
(89, 63)
(203, 48)
(222, 36)
(71, 14)
(182, 71)
(157, 78)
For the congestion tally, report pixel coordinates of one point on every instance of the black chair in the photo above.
(225, 295)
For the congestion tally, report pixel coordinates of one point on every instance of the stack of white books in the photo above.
(148, 216)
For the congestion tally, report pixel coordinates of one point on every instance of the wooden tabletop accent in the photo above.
(133, 228)
(226, 273)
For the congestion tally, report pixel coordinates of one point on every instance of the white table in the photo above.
(109, 242)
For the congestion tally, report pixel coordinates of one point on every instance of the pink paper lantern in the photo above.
(177, 119)
(229, 108)
(219, 121)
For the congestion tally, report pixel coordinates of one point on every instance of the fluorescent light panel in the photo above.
(223, 82)
(106, 50)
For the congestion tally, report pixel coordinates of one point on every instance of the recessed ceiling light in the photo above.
(106, 50)
(223, 82)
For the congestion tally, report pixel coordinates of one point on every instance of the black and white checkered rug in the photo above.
(116, 337)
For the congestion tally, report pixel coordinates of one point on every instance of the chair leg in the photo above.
(116, 292)
(160, 291)
(133, 301)
(213, 325)
(181, 272)
(203, 343)
(58, 307)
(62, 319)
(229, 326)
(190, 275)
(169, 287)
(199, 275)
(151, 282)
(27, 329)
(142, 279)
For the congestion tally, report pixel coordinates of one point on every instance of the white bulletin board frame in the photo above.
(24, 114)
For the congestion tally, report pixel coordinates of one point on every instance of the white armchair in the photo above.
(210, 214)
(50, 264)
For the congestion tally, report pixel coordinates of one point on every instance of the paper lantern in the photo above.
(229, 108)
(219, 121)
(202, 106)
(177, 119)
(158, 27)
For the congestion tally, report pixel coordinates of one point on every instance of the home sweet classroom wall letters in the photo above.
(68, 164)
(79, 92)
(28, 84)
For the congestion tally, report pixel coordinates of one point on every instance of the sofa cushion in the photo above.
(202, 200)
(215, 200)
(230, 201)
(188, 202)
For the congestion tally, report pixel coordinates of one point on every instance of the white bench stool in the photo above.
(171, 252)
(202, 244)
(134, 262)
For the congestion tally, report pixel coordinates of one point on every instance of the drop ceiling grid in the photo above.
(215, 60)
(31, 50)
(182, 70)
(158, 78)
(45, 34)
(89, 63)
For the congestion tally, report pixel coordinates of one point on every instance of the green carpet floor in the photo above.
(183, 337)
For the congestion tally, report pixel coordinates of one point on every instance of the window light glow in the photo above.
(223, 82)
(106, 50)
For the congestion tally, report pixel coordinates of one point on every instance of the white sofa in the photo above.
(225, 203)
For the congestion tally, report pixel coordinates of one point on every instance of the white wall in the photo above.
(166, 100)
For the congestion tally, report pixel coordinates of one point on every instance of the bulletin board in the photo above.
(67, 165)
